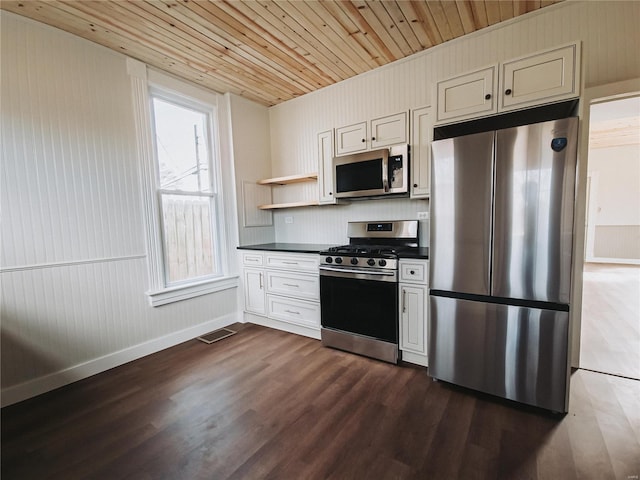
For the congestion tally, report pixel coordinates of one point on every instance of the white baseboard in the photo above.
(49, 382)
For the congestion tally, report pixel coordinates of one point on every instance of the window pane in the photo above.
(188, 239)
(181, 146)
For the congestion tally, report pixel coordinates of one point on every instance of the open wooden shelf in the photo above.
(304, 177)
(274, 206)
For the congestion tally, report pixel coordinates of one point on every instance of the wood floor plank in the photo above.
(610, 338)
(265, 404)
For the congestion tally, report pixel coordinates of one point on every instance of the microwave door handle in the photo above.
(385, 170)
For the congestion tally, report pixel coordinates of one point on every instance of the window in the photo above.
(185, 187)
(186, 224)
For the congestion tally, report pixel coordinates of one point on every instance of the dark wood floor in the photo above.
(267, 404)
(611, 319)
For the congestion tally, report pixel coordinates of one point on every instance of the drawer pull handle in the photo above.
(290, 263)
(412, 272)
(261, 281)
(291, 311)
(291, 285)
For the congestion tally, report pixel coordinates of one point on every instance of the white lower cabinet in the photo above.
(414, 301)
(292, 310)
(254, 293)
(285, 292)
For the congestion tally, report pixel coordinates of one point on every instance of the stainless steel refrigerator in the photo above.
(502, 207)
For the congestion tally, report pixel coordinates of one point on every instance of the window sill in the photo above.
(184, 292)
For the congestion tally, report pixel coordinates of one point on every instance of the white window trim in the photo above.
(159, 294)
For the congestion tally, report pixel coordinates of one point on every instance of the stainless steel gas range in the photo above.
(359, 288)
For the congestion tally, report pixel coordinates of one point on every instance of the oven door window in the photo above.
(364, 307)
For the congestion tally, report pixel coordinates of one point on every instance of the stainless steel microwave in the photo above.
(374, 173)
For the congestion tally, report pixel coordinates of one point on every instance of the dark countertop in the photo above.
(288, 247)
(421, 252)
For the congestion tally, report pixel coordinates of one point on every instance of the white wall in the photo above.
(73, 263)
(252, 154)
(615, 191)
(608, 30)
(618, 196)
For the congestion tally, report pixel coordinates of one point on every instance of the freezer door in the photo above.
(461, 189)
(534, 200)
(513, 352)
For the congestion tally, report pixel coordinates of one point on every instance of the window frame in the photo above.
(144, 82)
(213, 163)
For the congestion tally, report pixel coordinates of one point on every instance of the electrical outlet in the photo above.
(423, 215)
(288, 219)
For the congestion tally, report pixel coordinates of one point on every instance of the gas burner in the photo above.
(364, 250)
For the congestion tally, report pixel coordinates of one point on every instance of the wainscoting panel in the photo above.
(617, 241)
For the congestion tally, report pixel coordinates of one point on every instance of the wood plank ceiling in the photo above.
(265, 50)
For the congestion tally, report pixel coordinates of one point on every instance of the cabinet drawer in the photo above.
(252, 258)
(414, 272)
(295, 311)
(299, 263)
(295, 285)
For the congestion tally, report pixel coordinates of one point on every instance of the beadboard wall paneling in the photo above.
(55, 318)
(607, 31)
(329, 223)
(69, 173)
(251, 153)
(617, 241)
(73, 268)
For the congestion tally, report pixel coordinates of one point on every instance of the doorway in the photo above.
(610, 338)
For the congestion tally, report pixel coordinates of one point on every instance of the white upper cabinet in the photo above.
(390, 130)
(543, 77)
(352, 138)
(469, 95)
(421, 136)
(377, 133)
(325, 168)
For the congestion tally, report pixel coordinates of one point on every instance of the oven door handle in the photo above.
(387, 275)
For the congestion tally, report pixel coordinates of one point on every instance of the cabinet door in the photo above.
(413, 322)
(389, 130)
(544, 77)
(254, 294)
(467, 95)
(352, 138)
(421, 152)
(325, 167)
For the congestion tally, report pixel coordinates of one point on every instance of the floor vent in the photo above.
(216, 335)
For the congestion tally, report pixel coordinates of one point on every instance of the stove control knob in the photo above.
(338, 260)
(382, 262)
(371, 262)
(328, 260)
(354, 261)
